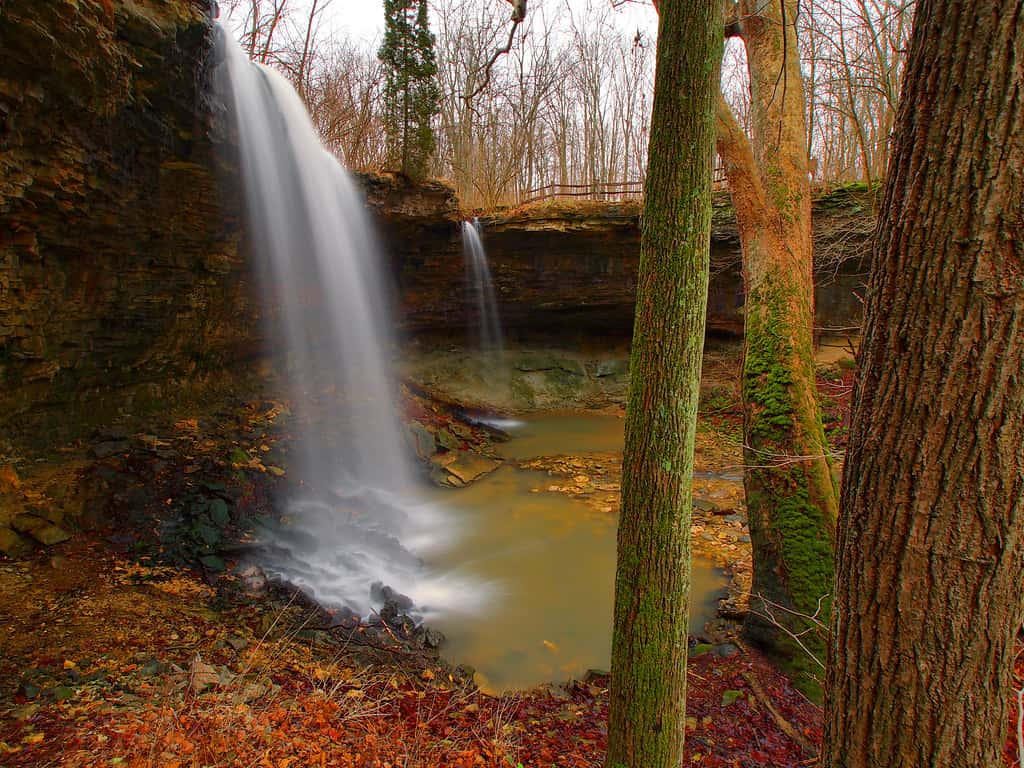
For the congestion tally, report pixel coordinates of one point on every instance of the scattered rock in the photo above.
(9, 480)
(152, 668)
(447, 440)
(432, 638)
(254, 580)
(386, 595)
(40, 529)
(26, 523)
(13, 545)
(468, 466)
(50, 535)
(704, 505)
(422, 440)
(28, 690)
(109, 448)
(250, 692)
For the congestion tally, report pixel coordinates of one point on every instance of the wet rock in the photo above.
(345, 618)
(448, 441)
(432, 638)
(464, 672)
(12, 544)
(422, 440)
(467, 467)
(605, 368)
(253, 580)
(379, 592)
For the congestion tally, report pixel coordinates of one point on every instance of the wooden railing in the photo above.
(616, 190)
(608, 191)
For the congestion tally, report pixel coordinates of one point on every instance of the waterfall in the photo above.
(486, 331)
(357, 523)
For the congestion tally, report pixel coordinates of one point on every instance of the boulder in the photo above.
(12, 544)
(467, 467)
(422, 440)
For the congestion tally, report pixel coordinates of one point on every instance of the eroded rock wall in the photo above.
(120, 280)
(571, 268)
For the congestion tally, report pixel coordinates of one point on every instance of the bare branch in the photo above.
(518, 15)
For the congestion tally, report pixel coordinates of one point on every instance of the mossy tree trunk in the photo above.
(648, 684)
(930, 564)
(790, 490)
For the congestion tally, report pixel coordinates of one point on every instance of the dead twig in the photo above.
(784, 725)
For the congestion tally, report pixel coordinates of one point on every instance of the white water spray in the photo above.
(359, 519)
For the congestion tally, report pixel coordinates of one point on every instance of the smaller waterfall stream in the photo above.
(486, 331)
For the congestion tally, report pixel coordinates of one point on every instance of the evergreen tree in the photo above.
(411, 95)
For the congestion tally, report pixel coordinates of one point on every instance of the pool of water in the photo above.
(549, 561)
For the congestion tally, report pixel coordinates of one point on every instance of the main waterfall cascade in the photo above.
(359, 518)
(486, 331)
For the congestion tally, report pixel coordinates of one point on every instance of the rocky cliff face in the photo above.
(571, 267)
(120, 280)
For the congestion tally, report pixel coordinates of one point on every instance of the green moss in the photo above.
(766, 383)
(791, 505)
(799, 578)
(801, 529)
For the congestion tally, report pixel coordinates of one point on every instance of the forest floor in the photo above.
(110, 661)
(138, 643)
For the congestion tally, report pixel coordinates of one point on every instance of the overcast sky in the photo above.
(363, 20)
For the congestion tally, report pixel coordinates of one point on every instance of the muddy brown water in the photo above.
(549, 559)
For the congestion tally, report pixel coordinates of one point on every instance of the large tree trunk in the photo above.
(931, 554)
(652, 582)
(790, 491)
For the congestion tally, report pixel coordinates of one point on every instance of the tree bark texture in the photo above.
(930, 571)
(791, 495)
(648, 677)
